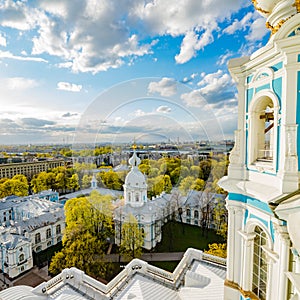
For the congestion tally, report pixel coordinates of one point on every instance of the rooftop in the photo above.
(197, 276)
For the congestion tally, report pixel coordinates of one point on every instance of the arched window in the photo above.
(58, 229)
(21, 257)
(37, 238)
(263, 132)
(48, 233)
(260, 267)
(196, 214)
(137, 198)
(188, 212)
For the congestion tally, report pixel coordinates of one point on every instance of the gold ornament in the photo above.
(297, 5)
(259, 8)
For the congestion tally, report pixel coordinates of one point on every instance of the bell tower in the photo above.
(264, 164)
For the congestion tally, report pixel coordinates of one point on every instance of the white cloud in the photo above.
(2, 40)
(239, 25)
(7, 54)
(193, 99)
(214, 82)
(191, 43)
(164, 109)
(91, 36)
(166, 87)
(70, 87)
(257, 30)
(253, 22)
(216, 87)
(139, 113)
(18, 83)
(224, 58)
(16, 14)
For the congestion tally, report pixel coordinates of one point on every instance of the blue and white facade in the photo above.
(28, 224)
(263, 175)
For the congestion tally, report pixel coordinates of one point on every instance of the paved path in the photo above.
(174, 256)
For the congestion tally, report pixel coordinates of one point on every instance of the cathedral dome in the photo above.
(135, 178)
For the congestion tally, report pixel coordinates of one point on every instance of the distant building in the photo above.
(29, 169)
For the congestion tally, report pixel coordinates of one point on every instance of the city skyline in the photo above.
(96, 72)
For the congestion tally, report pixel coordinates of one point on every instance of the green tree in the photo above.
(186, 184)
(132, 238)
(73, 183)
(111, 180)
(86, 181)
(220, 215)
(88, 226)
(21, 178)
(205, 166)
(39, 182)
(13, 187)
(217, 250)
(61, 182)
(159, 184)
(198, 185)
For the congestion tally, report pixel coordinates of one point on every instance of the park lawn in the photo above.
(177, 237)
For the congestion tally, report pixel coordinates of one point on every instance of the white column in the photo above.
(230, 243)
(284, 264)
(248, 240)
(271, 258)
(239, 217)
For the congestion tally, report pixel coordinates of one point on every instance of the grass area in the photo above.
(177, 237)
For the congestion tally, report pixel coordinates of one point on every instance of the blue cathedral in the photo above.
(263, 257)
(263, 176)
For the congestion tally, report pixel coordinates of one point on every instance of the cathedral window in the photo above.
(196, 214)
(58, 229)
(263, 132)
(21, 257)
(48, 233)
(37, 238)
(137, 197)
(260, 267)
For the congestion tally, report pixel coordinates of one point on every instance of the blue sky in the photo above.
(99, 71)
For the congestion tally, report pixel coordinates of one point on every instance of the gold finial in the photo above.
(259, 8)
(134, 146)
(297, 5)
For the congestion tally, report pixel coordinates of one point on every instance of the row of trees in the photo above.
(60, 179)
(162, 175)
